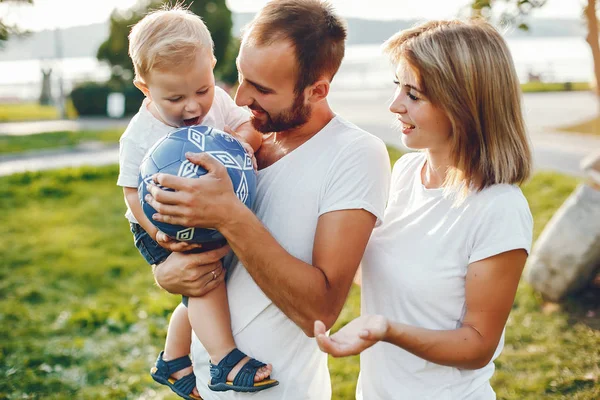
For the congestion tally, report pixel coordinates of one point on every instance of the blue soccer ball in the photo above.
(168, 156)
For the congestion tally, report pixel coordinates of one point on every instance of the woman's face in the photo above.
(423, 126)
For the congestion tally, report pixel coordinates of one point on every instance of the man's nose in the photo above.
(241, 96)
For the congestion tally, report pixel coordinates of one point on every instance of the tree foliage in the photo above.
(215, 14)
(513, 13)
(7, 30)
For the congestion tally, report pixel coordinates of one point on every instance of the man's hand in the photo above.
(204, 202)
(355, 337)
(167, 242)
(191, 275)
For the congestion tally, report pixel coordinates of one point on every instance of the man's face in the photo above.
(267, 77)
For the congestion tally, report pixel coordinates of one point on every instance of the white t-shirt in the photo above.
(340, 168)
(414, 270)
(145, 129)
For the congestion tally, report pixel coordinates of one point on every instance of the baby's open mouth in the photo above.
(191, 121)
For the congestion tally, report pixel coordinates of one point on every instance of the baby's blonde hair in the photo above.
(165, 39)
(466, 70)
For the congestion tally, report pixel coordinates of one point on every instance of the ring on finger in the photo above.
(214, 275)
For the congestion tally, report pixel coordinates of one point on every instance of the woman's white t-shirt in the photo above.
(414, 270)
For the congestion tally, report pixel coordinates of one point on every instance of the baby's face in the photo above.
(183, 96)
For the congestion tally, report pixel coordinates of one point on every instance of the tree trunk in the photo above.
(592, 39)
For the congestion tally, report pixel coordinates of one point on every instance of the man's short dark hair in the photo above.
(316, 33)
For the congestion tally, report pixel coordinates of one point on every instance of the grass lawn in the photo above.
(591, 127)
(50, 140)
(531, 87)
(81, 318)
(32, 112)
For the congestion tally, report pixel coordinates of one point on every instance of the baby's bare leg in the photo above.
(211, 322)
(179, 340)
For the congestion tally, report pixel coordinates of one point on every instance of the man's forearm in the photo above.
(299, 289)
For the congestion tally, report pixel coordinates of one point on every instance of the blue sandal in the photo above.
(163, 370)
(244, 380)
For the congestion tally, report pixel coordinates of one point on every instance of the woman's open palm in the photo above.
(358, 335)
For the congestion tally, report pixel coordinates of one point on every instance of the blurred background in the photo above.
(80, 316)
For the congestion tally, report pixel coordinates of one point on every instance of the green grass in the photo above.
(530, 87)
(14, 112)
(590, 127)
(81, 318)
(50, 140)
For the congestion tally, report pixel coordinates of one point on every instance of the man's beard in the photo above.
(295, 116)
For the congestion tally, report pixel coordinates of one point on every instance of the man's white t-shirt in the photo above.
(145, 129)
(340, 168)
(414, 270)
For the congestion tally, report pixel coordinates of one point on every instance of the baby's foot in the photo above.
(261, 374)
(181, 373)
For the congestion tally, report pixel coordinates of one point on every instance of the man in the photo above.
(322, 186)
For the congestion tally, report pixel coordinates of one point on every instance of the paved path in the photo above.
(552, 150)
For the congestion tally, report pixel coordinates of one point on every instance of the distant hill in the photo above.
(83, 41)
(79, 41)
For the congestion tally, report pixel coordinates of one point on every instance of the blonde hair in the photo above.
(465, 69)
(167, 38)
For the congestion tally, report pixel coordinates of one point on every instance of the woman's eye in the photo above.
(412, 96)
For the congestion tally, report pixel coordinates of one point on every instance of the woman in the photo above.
(440, 274)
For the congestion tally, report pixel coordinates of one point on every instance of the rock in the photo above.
(566, 256)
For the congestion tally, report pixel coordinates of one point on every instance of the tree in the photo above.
(215, 14)
(7, 30)
(518, 9)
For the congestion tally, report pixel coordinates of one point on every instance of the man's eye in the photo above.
(261, 90)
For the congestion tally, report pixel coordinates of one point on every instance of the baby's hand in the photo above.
(171, 244)
(245, 144)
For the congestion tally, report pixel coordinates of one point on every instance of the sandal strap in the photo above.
(245, 377)
(186, 384)
(219, 372)
(168, 368)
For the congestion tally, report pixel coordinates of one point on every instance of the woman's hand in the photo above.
(191, 275)
(352, 339)
(167, 242)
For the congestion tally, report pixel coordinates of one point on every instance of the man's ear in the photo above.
(142, 86)
(318, 91)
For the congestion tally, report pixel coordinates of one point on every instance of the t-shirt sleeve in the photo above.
(505, 224)
(359, 178)
(130, 159)
(233, 115)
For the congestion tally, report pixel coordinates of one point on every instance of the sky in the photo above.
(51, 14)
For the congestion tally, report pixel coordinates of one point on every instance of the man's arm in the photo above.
(304, 292)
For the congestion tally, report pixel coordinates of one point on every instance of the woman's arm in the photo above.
(491, 285)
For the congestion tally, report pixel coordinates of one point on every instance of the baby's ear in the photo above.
(142, 86)
(214, 62)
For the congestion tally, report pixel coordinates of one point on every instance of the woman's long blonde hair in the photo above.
(466, 70)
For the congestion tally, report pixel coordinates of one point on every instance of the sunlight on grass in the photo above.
(591, 127)
(80, 315)
(15, 112)
(51, 140)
